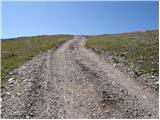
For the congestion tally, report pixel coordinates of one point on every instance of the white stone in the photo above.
(10, 79)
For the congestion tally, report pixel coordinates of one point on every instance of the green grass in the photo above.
(139, 49)
(16, 52)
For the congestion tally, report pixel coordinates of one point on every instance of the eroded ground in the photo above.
(74, 82)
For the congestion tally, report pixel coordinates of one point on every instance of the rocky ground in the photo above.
(74, 82)
(149, 79)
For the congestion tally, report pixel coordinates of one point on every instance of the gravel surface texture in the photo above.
(74, 82)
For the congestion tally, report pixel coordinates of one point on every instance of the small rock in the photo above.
(106, 111)
(10, 79)
(18, 94)
(103, 105)
(144, 96)
(10, 73)
(84, 83)
(28, 105)
(23, 67)
(8, 93)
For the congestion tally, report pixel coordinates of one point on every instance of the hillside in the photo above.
(136, 50)
(17, 51)
(75, 82)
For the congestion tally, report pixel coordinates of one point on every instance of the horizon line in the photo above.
(78, 34)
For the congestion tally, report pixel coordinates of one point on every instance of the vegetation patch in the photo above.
(139, 50)
(16, 52)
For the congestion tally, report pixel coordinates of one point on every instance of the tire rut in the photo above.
(130, 96)
(73, 82)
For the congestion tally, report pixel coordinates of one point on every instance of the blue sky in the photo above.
(38, 18)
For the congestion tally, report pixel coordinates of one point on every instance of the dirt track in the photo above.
(74, 82)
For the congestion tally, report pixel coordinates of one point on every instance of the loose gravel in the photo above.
(74, 82)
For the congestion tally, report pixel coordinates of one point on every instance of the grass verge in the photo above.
(139, 50)
(17, 51)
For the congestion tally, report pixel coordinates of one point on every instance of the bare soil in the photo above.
(74, 82)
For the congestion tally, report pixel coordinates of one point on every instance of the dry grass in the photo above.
(139, 49)
(17, 51)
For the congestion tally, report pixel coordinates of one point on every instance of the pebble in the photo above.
(58, 95)
(23, 67)
(9, 80)
(8, 93)
(18, 94)
(106, 111)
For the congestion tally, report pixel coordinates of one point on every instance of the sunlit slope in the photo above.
(17, 51)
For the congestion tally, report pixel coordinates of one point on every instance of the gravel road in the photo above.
(74, 82)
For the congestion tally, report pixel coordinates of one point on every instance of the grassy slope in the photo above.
(17, 51)
(137, 49)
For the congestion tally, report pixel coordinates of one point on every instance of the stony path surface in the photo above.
(74, 82)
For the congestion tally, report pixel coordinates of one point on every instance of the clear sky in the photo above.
(38, 18)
